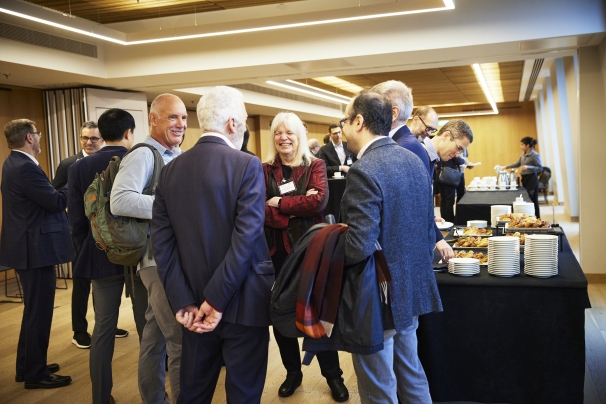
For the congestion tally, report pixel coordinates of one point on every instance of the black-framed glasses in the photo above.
(93, 139)
(460, 149)
(342, 122)
(37, 133)
(428, 128)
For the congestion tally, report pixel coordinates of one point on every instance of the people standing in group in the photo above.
(388, 199)
(401, 99)
(91, 142)
(35, 238)
(296, 194)
(530, 166)
(133, 195)
(335, 153)
(116, 127)
(210, 249)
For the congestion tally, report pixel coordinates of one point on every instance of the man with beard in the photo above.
(162, 334)
(424, 122)
(209, 244)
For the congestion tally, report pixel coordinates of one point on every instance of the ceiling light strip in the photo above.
(309, 92)
(448, 5)
(312, 88)
(484, 85)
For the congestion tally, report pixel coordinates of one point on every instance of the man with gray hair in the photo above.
(401, 107)
(131, 197)
(209, 243)
(314, 146)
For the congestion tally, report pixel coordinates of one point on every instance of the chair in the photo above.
(16, 296)
(544, 177)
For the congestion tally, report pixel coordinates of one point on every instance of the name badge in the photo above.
(286, 187)
(349, 162)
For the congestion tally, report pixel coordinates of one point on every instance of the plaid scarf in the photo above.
(320, 282)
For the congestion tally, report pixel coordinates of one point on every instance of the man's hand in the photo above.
(187, 315)
(208, 319)
(344, 169)
(445, 250)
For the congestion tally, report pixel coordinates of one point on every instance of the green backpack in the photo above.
(123, 238)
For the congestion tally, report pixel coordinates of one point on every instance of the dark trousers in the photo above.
(447, 199)
(289, 347)
(80, 294)
(38, 299)
(531, 183)
(244, 350)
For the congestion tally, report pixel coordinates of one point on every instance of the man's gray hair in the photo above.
(217, 106)
(400, 96)
(313, 142)
(457, 128)
(88, 125)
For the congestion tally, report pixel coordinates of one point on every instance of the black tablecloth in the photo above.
(475, 205)
(336, 187)
(508, 340)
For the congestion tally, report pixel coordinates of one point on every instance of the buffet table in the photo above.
(336, 187)
(475, 205)
(508, 340)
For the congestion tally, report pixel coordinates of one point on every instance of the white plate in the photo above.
(445, 225)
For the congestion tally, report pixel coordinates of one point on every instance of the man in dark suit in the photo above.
(388, 199)
(335, 153)
(212, 257)
(116, 127)
(35, 237)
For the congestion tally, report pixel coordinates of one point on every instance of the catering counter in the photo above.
(508, 340)
(475, 205)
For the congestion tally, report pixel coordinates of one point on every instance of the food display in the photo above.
(473, 254)
(475, 242)
(517, 234)
(474, 231)
(509, 216)
(530, 222)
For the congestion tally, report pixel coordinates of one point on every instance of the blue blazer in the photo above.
(388, 198)
(92, 262)
(207, 234)
(407, 140)
(34, 225)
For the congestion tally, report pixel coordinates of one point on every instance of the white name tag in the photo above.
(349, 162)
(287, 187)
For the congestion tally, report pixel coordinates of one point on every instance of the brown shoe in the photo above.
(111, 400)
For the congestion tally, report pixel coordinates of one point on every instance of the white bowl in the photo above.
(480, 224)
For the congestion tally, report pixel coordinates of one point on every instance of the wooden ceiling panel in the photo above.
(110, 11)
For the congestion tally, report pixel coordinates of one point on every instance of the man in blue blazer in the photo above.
(212, 257)
(388, 199)
(35, 237)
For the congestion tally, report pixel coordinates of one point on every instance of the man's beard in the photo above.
(239, 139)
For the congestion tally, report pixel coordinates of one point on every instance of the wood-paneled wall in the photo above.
(18, 103)
(496, 138)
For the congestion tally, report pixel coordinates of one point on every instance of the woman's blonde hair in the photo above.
(293, 123)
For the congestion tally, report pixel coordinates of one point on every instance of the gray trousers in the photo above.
(162, 335)
(107, 293)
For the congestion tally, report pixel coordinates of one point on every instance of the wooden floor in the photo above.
(74, 362)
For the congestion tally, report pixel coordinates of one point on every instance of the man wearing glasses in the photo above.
(424, 122)
(91, 142)
(35, 238)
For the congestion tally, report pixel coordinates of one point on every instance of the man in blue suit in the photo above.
(388, 199)
(212, 257)
(35, 237)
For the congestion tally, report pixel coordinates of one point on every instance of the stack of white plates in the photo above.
(503, 256)
(498, 210)
(523, 207)
(541, 255)
(464, 266)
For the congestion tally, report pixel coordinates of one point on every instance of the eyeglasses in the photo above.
(429, 129)
(37, 133)
(460, 149)
(342, 122)
(93, 139)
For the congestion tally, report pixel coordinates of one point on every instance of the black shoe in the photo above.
(338, 390)
(53, 367)
(50, 382)
(293, 380)
(120, 333)
(81, 340)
